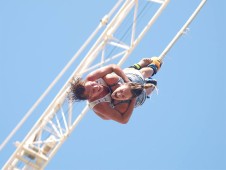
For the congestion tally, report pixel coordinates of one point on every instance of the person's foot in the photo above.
(156, 61)
(151, 81)
(154, 84)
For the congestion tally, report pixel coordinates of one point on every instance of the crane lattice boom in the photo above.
(61, 117)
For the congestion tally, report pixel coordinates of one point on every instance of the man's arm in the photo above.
(106, 112)
(100, 73)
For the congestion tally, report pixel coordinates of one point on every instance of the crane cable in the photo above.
(181, 31)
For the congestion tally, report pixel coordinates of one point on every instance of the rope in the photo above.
(181, 31)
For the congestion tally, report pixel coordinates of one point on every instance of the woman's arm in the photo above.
(104, 110)
(124, 107)
(100, 73)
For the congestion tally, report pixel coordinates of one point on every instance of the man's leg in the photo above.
(142, 63)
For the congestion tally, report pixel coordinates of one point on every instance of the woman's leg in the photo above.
(147, 72)
(148, 66)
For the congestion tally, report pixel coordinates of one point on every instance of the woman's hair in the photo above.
(137, 88)
(77, 90)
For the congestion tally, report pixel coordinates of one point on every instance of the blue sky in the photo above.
(181, 128)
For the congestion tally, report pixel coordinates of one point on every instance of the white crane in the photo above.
(61, 117)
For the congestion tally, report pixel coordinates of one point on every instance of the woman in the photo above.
(113, 93)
